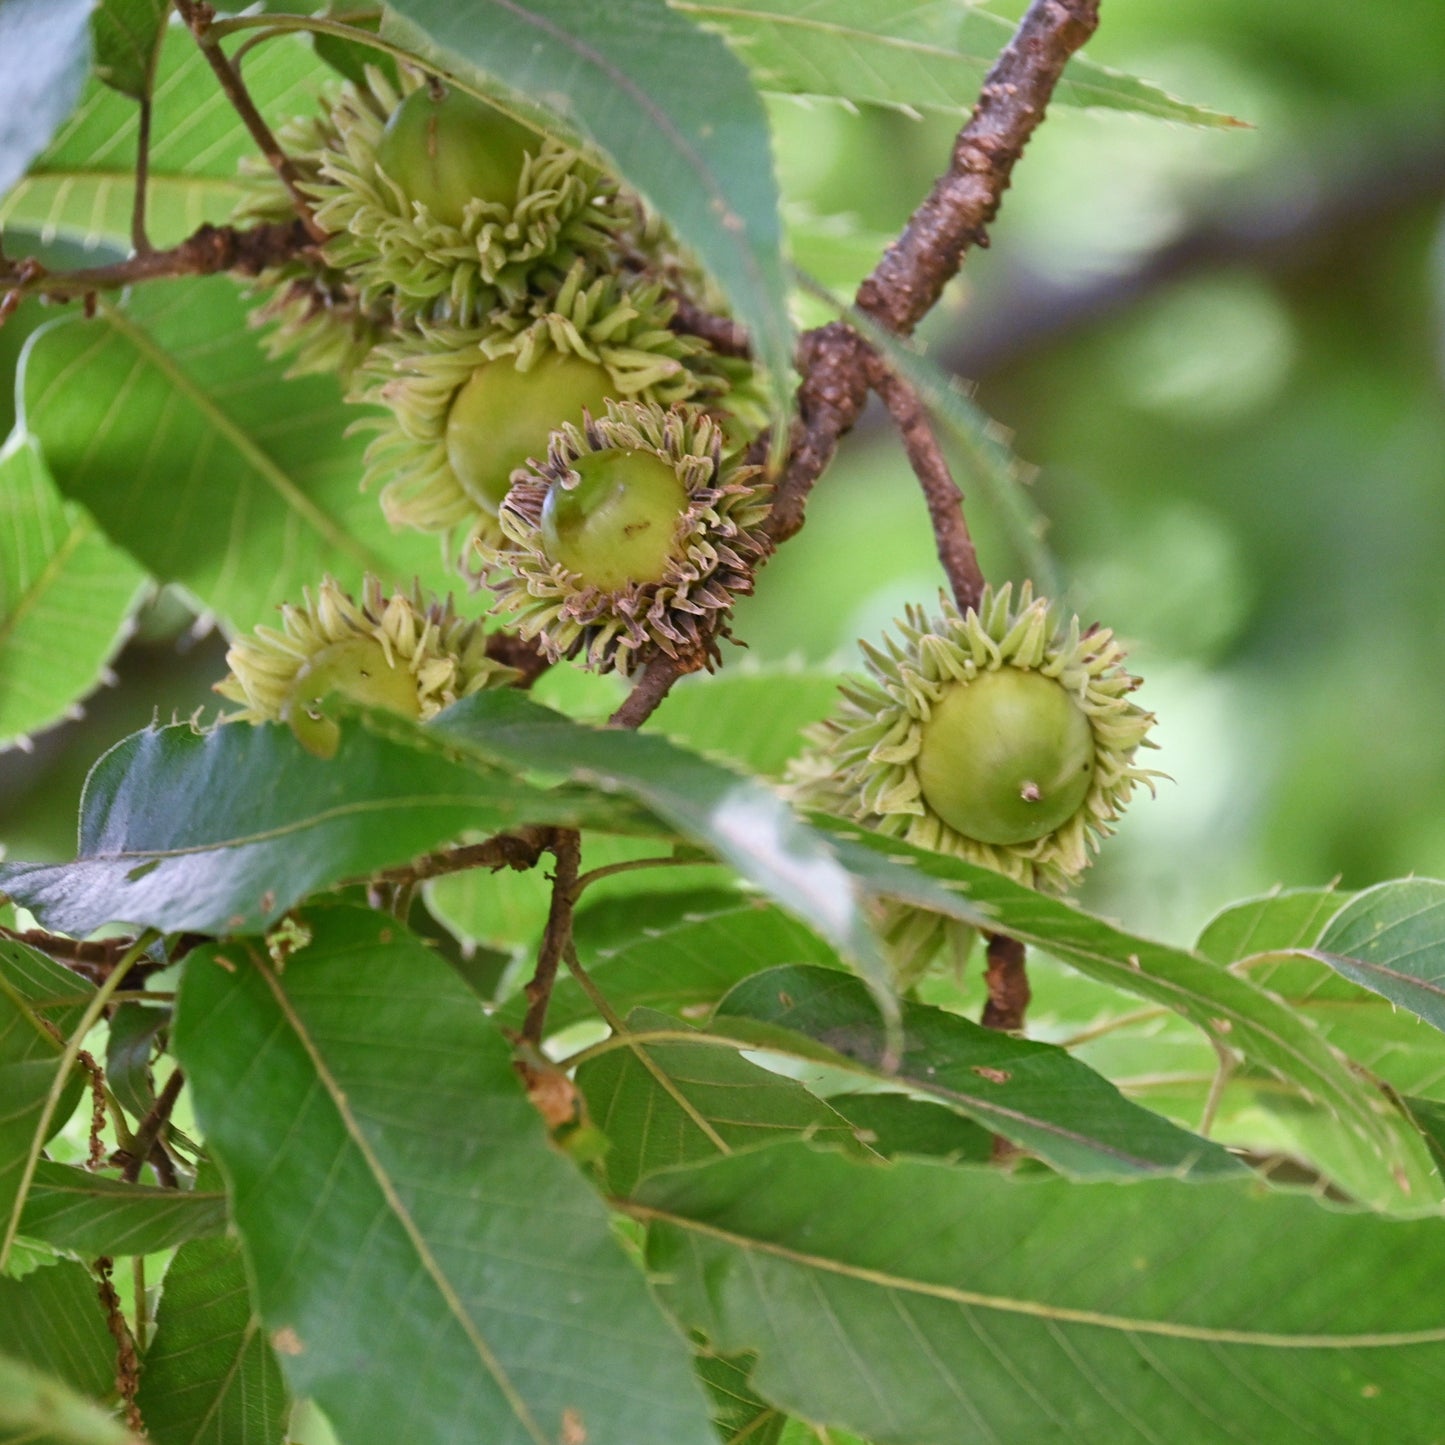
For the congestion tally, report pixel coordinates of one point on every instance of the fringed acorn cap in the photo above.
(405, 653)
(419, 241)
(633, 538)
(465, 408)
(1004, 736)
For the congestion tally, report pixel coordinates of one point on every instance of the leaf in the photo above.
(36, 1409)
(66, 597)
(686, 966)
(929, 56)
(222, 831)
(668, 103)
(1391, 940)
(895, 1124)
(919, 1302)
(53, 1320)
(129, 1042)
(94, 1215)
(82, 185)
(664, 1100)
(739, 1412)
(401, 1205)
(44, 51)
(210, 1375)
(1034, 1094)
(196, 455)
(1272, 924)
(127, 35)
(1381, 1161)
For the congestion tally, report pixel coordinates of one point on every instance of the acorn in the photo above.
(1003, 735)
(444, 209)
(632, 539)
(405, 653)
(468, 407)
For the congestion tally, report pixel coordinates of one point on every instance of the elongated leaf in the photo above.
(44, 49)
(127, 35)
(1391, 940)
(894, 1125)
(666, 1101)
(197, 456)
(687, 966)
(37, 1409)
(1272, 924)
(380, 1152)
(1381, 1163)
(918, 1302)
(929, 56)
(1034, 1094)
(66, 596)
(53, 1320)
(82, 185)
(739, 1412)
(667, 102)
(96, 1215)
(222, 831)
(129, 1042)
(210, 1375)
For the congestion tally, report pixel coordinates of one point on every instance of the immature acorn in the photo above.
(405, 653)
(468, 407)
(1003, 735)
(632, 538)
(444, 209)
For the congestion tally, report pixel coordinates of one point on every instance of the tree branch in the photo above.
(1008, 985)
(567, 849)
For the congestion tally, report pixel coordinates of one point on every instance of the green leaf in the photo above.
(1391, 940)
(82, 186)
(129, 1043)
(920, 1302)
(739, 1412)
(685, 966)
(196, 455)
(44, 50)
(1033, 1094)
(36, 1409)
(663, 1100)
(399, 1202)
(222, 831)
(668, 103)
(1381, 1161)
(750, 717)
(94, 1215)
(929, 56)
(1271, 924)
(894, 1125)
(66, 597)
(210, 1375)
(53, 1320)
(127, 35)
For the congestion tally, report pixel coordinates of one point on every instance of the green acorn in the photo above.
(407, 654)
(633, 538)
(444, 209)
(467, 408)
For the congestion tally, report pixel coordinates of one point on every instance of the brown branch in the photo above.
(721, 333)
(209, 251)
(527, 658)
(648, 691)
(147, 1138)
(945, 501)
(139, 240)
(198, 17)
(1008, 985)
(567, 849)
(127, 1362)
(519, 850)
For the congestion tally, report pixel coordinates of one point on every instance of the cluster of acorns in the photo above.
(508, 306)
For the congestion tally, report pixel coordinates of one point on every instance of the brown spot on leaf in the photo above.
(574, 1432)
(994, 1076)
(286, 1341)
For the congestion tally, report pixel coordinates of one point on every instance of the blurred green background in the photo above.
(1225, 352)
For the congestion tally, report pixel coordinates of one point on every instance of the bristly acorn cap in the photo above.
(460, 418)
(399, 254)
(704, 527)
(406, 653)
(1031, 671)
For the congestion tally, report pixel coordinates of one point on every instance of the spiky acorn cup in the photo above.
(405, 653)
(633, 538)
(444, 209)
(467, 408)
(1003, 735)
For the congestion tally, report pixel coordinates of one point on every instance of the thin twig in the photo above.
(519, 850)
(945, 501)
(1008, 985)
(595, 996)
(648, 692)
(127, 1361)
(632, 864)
(139, 240)
(567, 849)
(148, 1135)
(198, 18)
